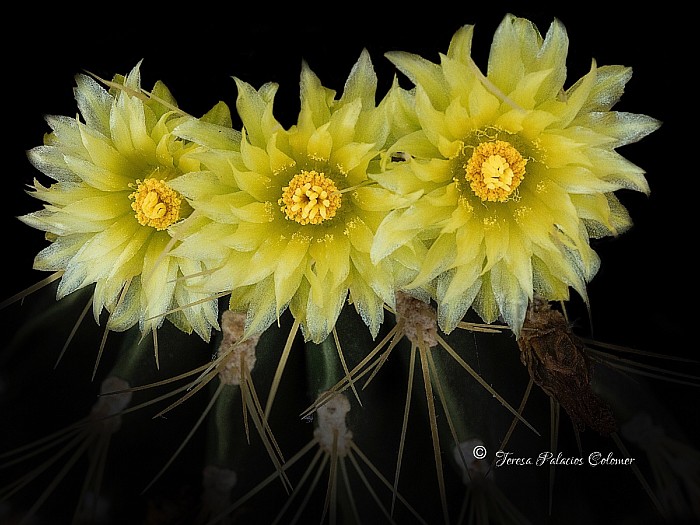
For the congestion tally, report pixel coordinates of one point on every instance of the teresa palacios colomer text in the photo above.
(594, 459)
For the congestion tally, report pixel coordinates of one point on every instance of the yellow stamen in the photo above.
(495, 170)
(310, 198)
(155, 204)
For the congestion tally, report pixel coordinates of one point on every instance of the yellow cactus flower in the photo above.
(518, 172)
(108, 213)
(286, 217)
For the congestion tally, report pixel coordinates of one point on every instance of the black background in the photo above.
(643, 295)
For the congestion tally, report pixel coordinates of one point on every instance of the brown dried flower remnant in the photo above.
(557, 363)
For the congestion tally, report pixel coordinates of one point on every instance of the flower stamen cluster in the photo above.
(495, 170)
(155, 203)
(310, 198)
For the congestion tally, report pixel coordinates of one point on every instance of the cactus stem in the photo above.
(416, 322)
(419, 326)
(341, 356)
(356, 372)
(187, 438)
(484, 384)
(238, 358)
(235, 358)
(448, 416)
(331, 429)
(396, 337)
(335, 444)
(206, 373)
(255, 410)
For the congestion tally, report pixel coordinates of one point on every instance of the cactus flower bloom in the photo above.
(108, 213)
(285, 218)
(518, 172)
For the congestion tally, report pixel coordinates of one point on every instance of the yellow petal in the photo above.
(290, 270)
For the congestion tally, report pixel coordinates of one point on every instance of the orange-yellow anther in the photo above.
(310, 198)
(155, 204)
(495, 170)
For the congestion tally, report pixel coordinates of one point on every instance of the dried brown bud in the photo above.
(557, 362)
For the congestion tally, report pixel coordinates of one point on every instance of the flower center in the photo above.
(155, 204)
(310, 198)
(495, 170)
